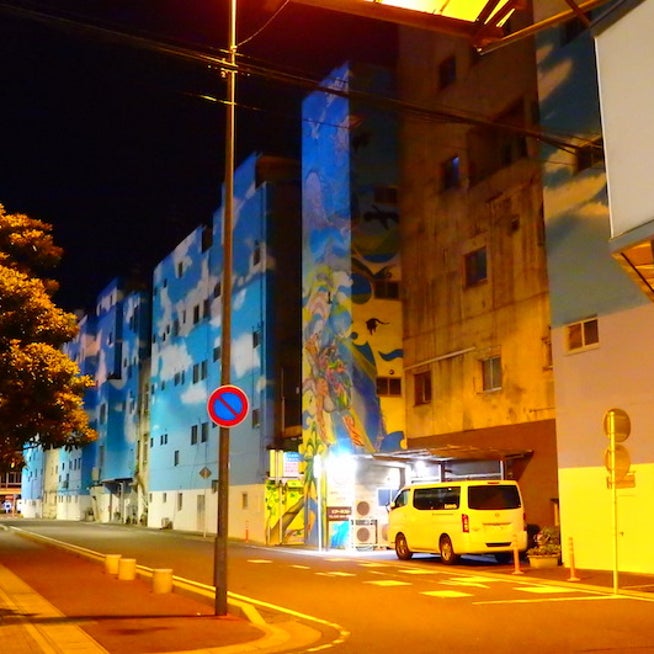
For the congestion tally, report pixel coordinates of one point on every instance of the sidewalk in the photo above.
(56, 602)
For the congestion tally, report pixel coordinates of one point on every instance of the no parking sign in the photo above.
(228, 406)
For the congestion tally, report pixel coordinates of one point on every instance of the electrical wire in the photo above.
(249, 67)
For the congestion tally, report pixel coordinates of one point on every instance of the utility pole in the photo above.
(220, 554)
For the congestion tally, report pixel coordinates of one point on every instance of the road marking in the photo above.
(446, 593)
(554, 599)
(453, 582)
(414, 571)
(546, 589)
(482, 580)
(301, 567)
(388, 582)
(259, 560)
(374, 565)
(337, 573)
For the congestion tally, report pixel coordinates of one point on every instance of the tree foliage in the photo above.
(41, 389)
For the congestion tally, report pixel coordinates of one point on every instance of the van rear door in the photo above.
(496, 514)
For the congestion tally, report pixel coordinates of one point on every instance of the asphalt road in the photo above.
(376, 604)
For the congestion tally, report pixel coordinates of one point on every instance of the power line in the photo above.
(248, 66)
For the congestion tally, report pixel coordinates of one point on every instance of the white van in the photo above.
(457, 517)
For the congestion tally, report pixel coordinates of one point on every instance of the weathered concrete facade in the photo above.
(475, 289)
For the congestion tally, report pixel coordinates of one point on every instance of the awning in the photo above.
(453, 452)
(482, 22)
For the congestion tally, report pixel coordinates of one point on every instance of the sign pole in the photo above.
(220, 553)
(617, 427)
(614, 499)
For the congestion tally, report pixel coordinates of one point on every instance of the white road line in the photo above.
(554, 599)
(388, 582)
(546, 589)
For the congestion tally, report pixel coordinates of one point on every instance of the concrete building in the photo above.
(599, 261)
(186, 356)
(352, 375)
(479, 379)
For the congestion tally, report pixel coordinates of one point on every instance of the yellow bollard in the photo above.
(571, 559)
(162, 580)
(111, 563)
(127, 569)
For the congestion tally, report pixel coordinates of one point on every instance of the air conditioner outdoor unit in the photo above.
(365, 533)
(362, 509)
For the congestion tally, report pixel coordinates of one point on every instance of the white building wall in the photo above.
(617, 374)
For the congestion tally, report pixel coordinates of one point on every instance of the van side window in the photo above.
(437, 499)
(402, 499)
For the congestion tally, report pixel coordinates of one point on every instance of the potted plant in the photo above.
(547, 551)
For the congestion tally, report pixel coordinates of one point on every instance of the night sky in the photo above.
(111, 142)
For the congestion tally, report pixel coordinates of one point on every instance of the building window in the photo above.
(217, 289)
(387, 289)
(216, 353)
(447, 72)
(582, 335)
(492, 373)
(206, 308)
(203, 370)
(164, 498)
(255, 338)
(194, 434)
(256, 253)
(196, 373)
(389, 386)
(204, 435)
(180, 500)
(475, 264)
(590, 155)
(450, 173)
(496, 146)
(180, 268)
(163, 439)
(176, 457)
(422, 387)
(256, 417)
(244, 500)
(196, 314)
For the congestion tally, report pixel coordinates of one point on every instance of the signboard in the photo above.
(228, 406)
(339, 513)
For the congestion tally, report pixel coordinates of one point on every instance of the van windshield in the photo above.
(492, 498)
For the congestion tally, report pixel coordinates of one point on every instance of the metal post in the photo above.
(614, 497)
(220, 555)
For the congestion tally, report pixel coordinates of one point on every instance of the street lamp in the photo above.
(222, 526)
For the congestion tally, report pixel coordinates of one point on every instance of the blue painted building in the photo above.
(186, 354)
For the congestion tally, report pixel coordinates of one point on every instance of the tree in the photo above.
(41, 389)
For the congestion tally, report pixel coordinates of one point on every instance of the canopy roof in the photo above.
(482, 22)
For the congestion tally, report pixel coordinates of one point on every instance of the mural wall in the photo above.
(351, 324)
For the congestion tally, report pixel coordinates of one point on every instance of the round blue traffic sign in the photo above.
(228, 406)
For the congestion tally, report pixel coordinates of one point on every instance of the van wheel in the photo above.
(402, 550)
(448, 557)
